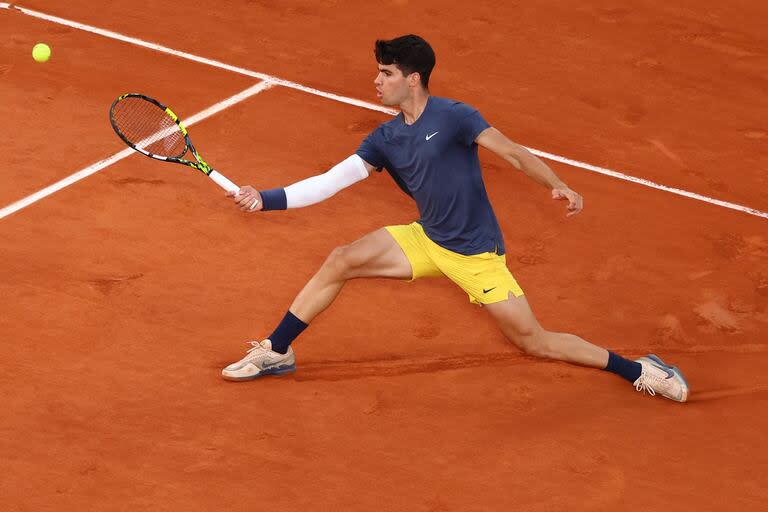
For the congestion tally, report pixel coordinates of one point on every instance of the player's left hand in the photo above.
(575, 201)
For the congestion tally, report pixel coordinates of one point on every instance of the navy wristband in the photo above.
(274, 199)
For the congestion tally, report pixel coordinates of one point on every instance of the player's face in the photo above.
(391, 85)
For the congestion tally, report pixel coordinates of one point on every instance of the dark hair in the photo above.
(411, 54)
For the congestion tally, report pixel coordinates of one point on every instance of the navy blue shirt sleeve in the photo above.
(370, 151)
(470, 123)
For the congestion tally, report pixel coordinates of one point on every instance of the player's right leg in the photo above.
(377, 254)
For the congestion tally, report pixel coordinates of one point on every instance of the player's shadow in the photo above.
(362, 368)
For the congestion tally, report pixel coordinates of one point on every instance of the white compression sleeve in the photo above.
(318, 188)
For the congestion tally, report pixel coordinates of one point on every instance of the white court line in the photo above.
(92, 169)
(648, 183)
(195, 58)
(371, 106)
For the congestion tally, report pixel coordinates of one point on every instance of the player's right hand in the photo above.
(247, 199)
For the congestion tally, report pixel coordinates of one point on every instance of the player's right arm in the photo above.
(306, 192)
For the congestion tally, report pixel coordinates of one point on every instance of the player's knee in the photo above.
(335, 263)
(540, 349)
(532, 341)
(342, 261)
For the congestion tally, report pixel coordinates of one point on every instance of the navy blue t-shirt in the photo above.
(435, 161)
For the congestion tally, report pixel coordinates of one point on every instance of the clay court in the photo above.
(125, 292)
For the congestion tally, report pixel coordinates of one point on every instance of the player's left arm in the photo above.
(495, 141)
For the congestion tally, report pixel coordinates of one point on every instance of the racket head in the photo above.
(149, 127)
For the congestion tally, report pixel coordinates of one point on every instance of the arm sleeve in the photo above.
(317, 188)
(470, 122)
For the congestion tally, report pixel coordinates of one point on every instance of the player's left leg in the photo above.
(518, 323)
(487, 281)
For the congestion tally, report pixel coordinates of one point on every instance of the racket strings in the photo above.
(149, 127)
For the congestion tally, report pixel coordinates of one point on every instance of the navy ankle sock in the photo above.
(286, 332)
(630, 370)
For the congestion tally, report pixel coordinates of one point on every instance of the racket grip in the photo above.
(223, 182)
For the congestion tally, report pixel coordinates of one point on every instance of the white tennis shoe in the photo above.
(659, 377)
(260, 360)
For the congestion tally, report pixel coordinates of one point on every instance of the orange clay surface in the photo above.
(125, 294)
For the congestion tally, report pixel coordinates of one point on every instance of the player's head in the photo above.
(405, 64)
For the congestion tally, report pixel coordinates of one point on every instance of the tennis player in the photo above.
(431, 151)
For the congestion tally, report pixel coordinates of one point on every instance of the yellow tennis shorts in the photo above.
(485, 276)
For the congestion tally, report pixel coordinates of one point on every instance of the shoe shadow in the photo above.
(708, 395)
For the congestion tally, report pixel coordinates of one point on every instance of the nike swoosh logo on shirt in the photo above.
(430, 136)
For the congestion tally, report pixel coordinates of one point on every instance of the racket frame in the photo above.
(201, 165)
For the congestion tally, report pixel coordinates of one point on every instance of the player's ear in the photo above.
(414, 79)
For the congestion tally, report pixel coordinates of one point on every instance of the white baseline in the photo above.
(352, 101)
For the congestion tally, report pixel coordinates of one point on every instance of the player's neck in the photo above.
(413, 107)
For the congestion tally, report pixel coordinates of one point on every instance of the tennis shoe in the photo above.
(259, 361)
(659, 377)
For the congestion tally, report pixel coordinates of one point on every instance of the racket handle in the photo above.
(223, 182)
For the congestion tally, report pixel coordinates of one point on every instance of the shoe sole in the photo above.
(656, 359)
(277, 371)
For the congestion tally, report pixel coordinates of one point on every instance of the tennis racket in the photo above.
(152, 129)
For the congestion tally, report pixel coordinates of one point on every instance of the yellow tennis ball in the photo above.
(41, 52)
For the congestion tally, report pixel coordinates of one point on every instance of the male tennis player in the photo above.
(430, 149)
